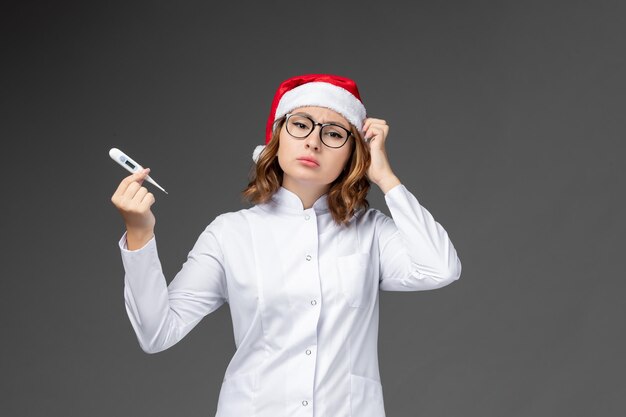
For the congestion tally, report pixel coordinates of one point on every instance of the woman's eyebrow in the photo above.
(332, 121)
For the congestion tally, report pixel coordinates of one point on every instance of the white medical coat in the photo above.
(303, 297)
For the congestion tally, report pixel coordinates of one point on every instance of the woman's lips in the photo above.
(308, 162)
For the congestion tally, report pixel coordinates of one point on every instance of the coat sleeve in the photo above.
(161, 315)
(415, 251)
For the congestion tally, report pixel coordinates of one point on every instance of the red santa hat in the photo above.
(324, 90)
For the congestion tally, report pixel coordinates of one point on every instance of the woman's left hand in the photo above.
(379, 172)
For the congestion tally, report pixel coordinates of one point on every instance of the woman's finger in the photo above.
(137, 176)
(147, 201)
(371, 120)
(375, 132)
(376, 129)
(130, 192)
(139, 195)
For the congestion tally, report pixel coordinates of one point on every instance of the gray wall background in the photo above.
(507, 123)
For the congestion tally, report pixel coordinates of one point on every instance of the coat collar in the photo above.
(288, 201)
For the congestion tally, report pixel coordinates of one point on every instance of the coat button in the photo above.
(308, 351)
(313, 302)
(308, 257)
(305, 403)
(307, 217)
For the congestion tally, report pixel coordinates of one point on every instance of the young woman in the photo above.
(301, 269)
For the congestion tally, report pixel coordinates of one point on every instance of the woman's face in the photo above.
(329, 162)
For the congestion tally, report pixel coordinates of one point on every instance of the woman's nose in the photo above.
(313, 140)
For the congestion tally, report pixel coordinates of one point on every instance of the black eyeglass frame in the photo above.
(321, 125)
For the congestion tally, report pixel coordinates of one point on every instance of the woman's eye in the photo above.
(299, 125)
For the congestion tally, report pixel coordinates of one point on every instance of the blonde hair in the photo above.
(347, 192)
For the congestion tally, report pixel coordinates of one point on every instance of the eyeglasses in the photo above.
(300, 126)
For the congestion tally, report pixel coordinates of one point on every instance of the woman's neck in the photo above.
(308, 193)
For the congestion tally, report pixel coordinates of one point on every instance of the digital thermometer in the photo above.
(130, 165)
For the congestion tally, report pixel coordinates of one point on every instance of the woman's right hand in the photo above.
(133, 202)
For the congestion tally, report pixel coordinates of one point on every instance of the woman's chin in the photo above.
(308, 179)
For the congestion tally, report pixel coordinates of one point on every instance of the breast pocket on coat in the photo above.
(355, 282)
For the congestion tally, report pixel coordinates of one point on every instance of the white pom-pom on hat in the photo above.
(257, 153)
